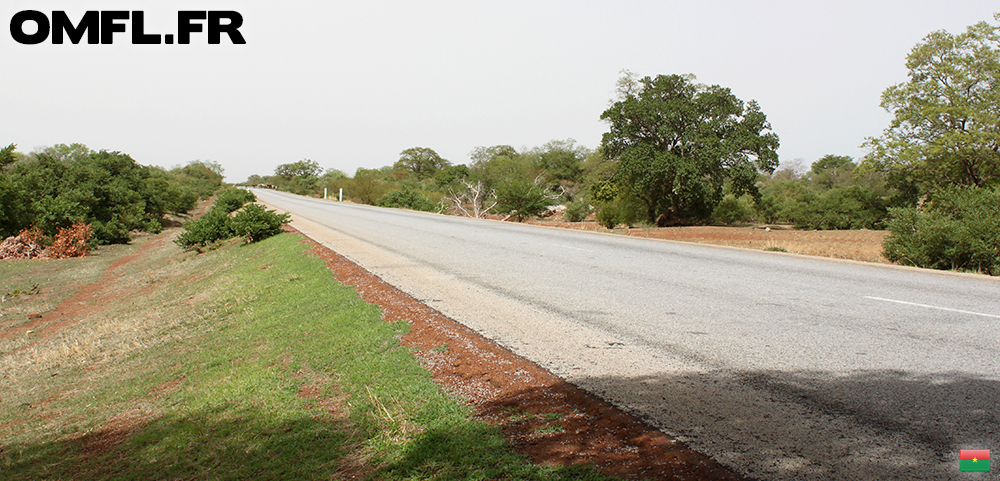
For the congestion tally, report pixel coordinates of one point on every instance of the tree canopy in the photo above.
(422, 162)
(302, 168)
(65, 153)
(677, 143)
(7, 156)
(562, 160)
(946, 125)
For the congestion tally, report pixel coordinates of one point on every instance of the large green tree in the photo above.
(302, 168)
(203, 177)
(422, 162)
(300, 177)
(677, 143)
(562, 160)
(480, 157)
(946, 125)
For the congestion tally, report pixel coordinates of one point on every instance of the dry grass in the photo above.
(96, 313)
(57, 280)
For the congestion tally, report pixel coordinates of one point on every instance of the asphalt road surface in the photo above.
(780, 366)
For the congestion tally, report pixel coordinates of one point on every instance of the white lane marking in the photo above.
(934, 307)
(574, 248)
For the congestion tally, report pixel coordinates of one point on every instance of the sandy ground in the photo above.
(860, 245)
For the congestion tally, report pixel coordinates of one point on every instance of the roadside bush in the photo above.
(958, 229)
(108, 190)
(212, 227)
(576, 211)
(625, 209)
(406, 199)
(851, 207)
(203, 177)
(251, 221)
(167, 194)
(608, 216)
(846, 207)
(230, 200)
(784, 200)
(53, 213)
(734, 210)
(254, 223)
(15, 204)
(522, 198)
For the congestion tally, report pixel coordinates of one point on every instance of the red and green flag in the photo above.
(974, 460)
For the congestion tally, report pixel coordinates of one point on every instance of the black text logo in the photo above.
(101, 27)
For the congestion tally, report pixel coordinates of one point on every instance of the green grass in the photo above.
(551, 429)
(245, 362)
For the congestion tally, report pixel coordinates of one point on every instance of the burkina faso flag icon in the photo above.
(974, 460)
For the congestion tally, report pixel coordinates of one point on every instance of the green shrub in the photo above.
(958, 229)
(212, 227)
(231, 200)
(608, 215)
(203, 177)
(851, 207)
(576, 211)
(406, 199)
(521, 198)
(625, 209)
(254, 223)
(52, 213)
(179, 199)
(734, 210)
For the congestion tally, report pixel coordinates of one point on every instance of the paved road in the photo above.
(781, 366)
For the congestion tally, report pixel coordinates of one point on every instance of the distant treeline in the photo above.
(503, 181)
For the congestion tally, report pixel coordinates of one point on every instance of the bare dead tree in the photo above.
(475, 201)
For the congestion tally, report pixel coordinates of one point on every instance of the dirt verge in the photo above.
(88, 299)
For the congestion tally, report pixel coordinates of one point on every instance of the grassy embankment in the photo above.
(246, 362)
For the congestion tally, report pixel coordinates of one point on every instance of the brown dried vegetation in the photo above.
(31, 243)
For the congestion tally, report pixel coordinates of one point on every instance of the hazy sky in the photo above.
(351, 84)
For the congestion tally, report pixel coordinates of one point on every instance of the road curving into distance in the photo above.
(780, 366)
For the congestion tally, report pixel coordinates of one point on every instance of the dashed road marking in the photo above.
(933, 307)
